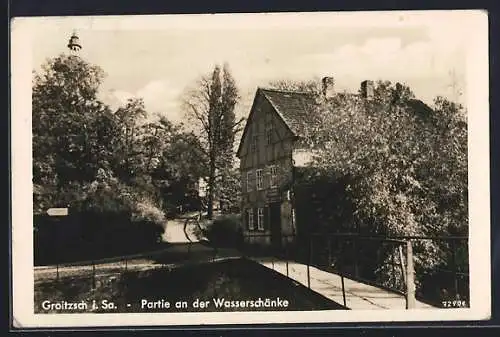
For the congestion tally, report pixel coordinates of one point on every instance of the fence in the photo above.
(385, 262)
(96, 272)
(390, 263)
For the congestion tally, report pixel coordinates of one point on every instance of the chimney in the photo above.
(367, 89)
(328, 87)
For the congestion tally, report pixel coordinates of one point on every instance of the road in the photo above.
(174, 232)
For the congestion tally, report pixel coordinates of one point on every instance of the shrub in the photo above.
(149, 220)
(225, 231)
(109, 219)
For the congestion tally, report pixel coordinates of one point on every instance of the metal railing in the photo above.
(106, 269)
(384, 262)
(289, 251)
(389, 262)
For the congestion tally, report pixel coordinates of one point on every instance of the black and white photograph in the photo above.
(250, 168)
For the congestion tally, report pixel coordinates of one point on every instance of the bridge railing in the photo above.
(381, 261)
(390, 263)
(289, 251)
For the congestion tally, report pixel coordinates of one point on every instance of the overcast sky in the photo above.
(158, 57)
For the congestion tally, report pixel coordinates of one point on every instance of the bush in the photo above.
(110, 219)
(149, 221)
(225, 231)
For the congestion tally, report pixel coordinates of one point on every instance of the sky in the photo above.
(159, 57)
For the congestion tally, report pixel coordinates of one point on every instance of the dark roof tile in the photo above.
(297, 109)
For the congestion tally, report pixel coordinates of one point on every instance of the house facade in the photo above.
(266, 153)
(270, 150)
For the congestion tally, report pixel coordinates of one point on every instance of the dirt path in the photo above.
(178, 231)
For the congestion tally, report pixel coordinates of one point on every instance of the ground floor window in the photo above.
(260, 218)
(250, 219)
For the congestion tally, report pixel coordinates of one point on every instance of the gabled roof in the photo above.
(295, 108)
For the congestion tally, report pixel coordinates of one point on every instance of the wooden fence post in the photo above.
(309, 262)
(329, 243)
(402, 264)
(411, 302)
(343, 289)
(286, 258)
(93, 275)
(394, 280)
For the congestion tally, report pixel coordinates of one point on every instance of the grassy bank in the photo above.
(158, 290)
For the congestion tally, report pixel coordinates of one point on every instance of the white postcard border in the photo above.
(479, 183)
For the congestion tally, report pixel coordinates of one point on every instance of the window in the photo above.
(273, 181)
(255, 140)
(250, 219)
(260, 185)
(249, 181)
(260, 219)
(269, 133)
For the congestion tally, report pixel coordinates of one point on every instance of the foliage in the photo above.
(67, 116)
(225, 230)
(114, 167)
(210, 106)
(402, 168)
(229, 191)
(311, 85)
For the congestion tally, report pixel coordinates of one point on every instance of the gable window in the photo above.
(249, 181)
(260, 218)
(255, 140)
(250, 219)
(273, 181)
(260, 184)
(269, 133)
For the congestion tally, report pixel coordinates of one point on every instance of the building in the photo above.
(267, 151)
(270, 152)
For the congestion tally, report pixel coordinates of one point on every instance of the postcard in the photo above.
(250, 168)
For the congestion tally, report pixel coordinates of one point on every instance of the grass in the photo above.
(169, 254)
(233, 280)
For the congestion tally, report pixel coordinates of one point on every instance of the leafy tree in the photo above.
(179, 169)
(210, 105)
(401, 168)
(311, 85)
(129, 159)
(68, 123)
(85, 156)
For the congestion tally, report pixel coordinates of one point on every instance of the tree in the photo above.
(311, 85)
(129, 159)
(69, 123)
(401, 166)
(178, 171)
(210, 105)
(79, 146)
